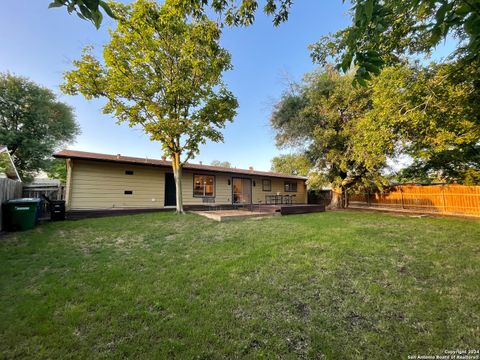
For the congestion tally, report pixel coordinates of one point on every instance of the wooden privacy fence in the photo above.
(52, 189)
(444, 199)
(9, 189)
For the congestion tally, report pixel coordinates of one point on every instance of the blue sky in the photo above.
(41, 44)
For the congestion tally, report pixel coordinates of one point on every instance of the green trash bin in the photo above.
(21, 214)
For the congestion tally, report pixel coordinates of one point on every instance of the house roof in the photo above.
(73, 154)
(5, 157)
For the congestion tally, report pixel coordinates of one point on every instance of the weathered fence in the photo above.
(52, 189)
(444, 199)
(9, 189)
(319, 197)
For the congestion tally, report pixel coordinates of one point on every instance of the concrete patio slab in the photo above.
(227, 215)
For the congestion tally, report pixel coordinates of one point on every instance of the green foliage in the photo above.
(90, 10)
(6, 166)
(381, 32)
(162, 73)
(292, 164)
(57, 169)
(224, 164)
(472, 177)
(33, 124)
(320, 118)
(428, 114)
(237, 12)
(384, 32)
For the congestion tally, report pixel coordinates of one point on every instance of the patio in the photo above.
(227, 215)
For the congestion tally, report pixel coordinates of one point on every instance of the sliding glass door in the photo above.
(242, 191)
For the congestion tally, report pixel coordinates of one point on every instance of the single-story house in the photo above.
(101, 181)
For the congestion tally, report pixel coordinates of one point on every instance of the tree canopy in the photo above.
(91, 10)
(292, 164)
(57, 169)
(162, 72)
(385, 32)
(351, 134)
(320, 119)
(429, 115)
(33, 123)
(224, 164)
(381, 33)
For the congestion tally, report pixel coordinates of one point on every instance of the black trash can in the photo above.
(57, 210)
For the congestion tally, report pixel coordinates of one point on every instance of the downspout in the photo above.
(68, 185)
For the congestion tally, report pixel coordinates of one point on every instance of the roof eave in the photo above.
(186, 167)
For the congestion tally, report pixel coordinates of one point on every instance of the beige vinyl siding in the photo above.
(258, 194)
(101, 185)
(223, 191)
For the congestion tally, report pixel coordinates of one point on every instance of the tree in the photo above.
(219, 163)
(162, 73)
(57, 169)
(384, 32)
(90, 10)
(320, 119)
(6, 167)
(33, 123)
(237, 13)
(292, 164)
(381, 32)
(431, 114)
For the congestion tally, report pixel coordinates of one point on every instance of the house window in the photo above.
(128, 172)
(203, 185)
(128, 192)
(290, 186)
(266, 185)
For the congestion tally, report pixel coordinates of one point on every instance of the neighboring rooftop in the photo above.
(7, 166)
(73, 154)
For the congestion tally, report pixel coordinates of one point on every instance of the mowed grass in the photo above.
(335, 285)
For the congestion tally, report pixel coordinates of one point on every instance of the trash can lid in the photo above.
(57, 201)
(24, 201)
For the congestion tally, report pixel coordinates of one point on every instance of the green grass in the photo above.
(344, 285)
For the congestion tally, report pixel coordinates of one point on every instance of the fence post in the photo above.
(401, 195)
(443, 199)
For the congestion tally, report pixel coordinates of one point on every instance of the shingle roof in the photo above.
(73, 154)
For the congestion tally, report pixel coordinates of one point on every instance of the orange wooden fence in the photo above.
(446, 199)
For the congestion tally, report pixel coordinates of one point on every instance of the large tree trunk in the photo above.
(177, 173)
(337, 201)
(345, 197)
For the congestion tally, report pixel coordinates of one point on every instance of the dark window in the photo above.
(290, 186)
(267, 185)
(128, 192)
(128, 172)
(203, 185)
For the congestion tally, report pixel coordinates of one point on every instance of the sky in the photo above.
(41, 43)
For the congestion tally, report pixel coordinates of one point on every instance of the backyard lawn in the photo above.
(335, 285)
